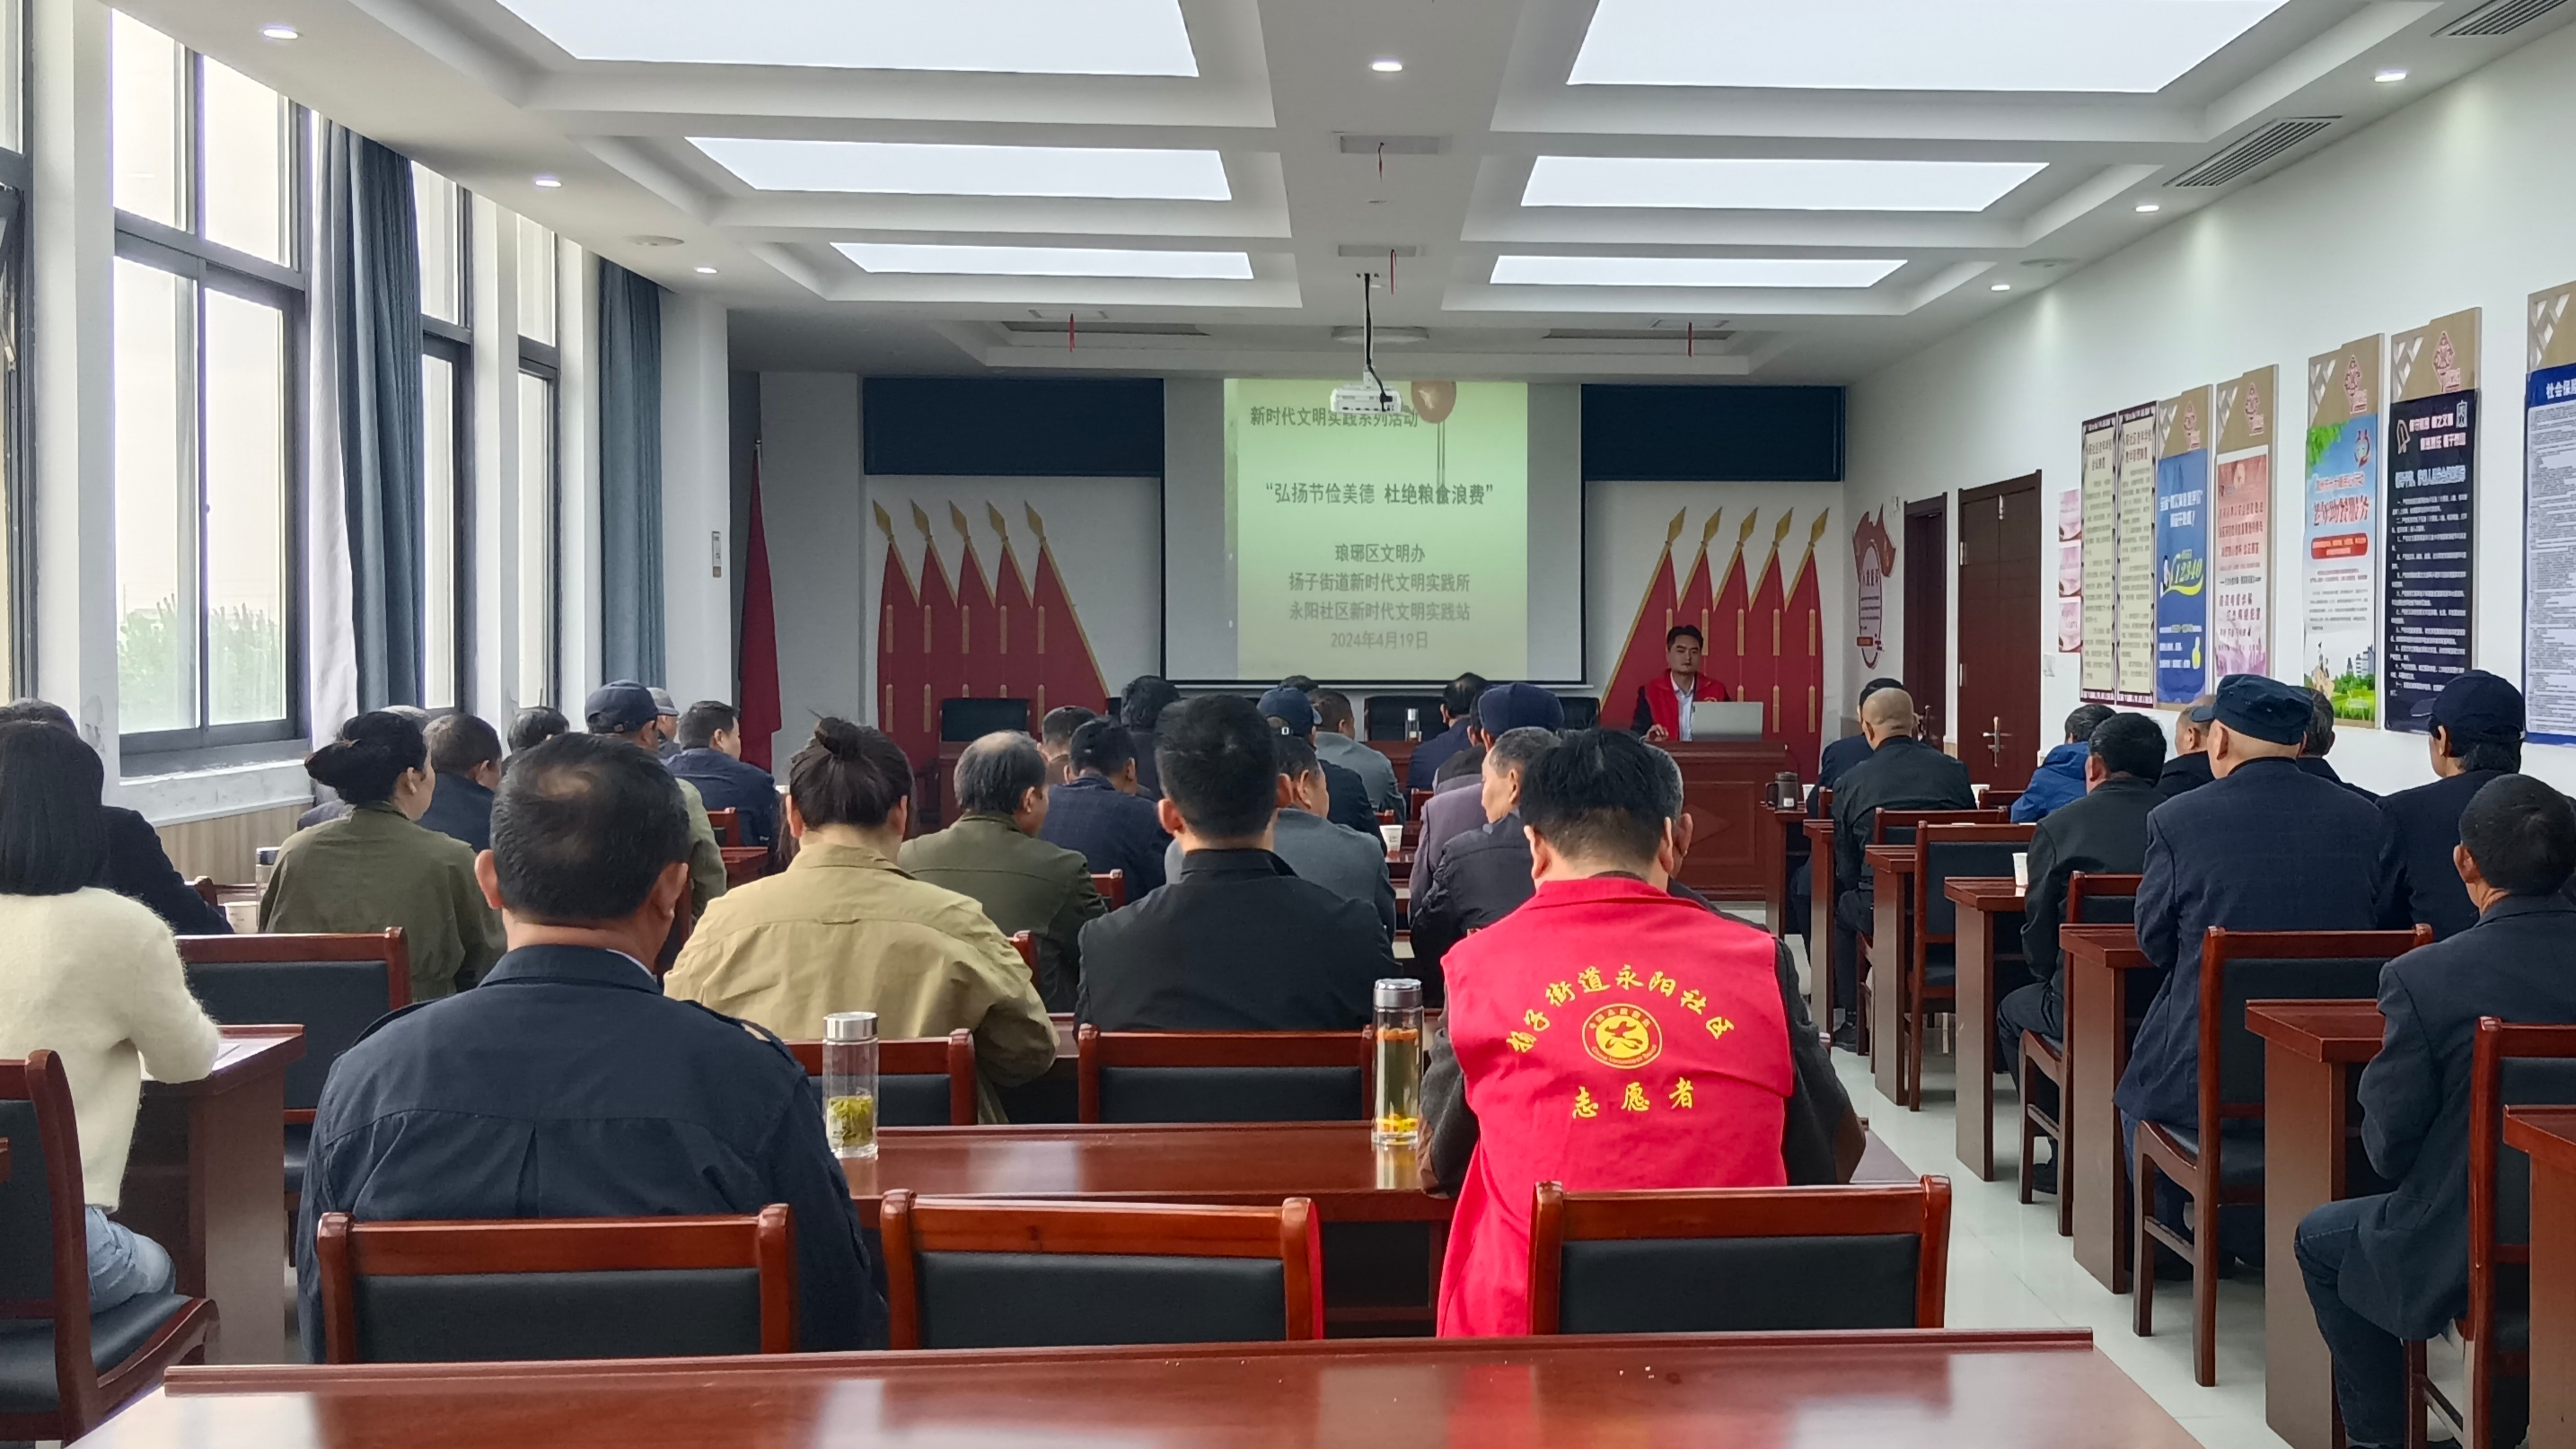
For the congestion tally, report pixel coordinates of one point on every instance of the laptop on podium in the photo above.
(1726, 719)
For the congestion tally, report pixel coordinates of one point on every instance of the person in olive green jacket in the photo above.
(376, 867)
(844, 928)
(628, 711)
(993, 854)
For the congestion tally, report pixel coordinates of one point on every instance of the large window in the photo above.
(209, 300)
(540, 466)
(446, 394)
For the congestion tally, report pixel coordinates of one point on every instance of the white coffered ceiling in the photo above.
(1716, 189)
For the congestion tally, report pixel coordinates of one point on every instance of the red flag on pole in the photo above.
(1642, 658)
(1763, 641)
(1729, 642)
(903, 663)
(1691, 606)
(757, 657)
(943, 673)
(1069, 672)
(981, 623)
(1018, 668)
(1802, 663)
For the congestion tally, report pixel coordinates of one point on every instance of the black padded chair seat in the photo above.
(299, 1143)
(1231, 1094)
(27, 1348)
(1723, 1285)
(480, 1317)
(2240, 1164)
(914, 1099)
(1047, 1300)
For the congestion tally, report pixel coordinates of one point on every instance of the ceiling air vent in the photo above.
(1112, 329)
(2500, 17)
(2263, 145)
(1629, 334)
(1392, 145)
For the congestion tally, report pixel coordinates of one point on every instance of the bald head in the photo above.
(1886, 715)
(2191, 736)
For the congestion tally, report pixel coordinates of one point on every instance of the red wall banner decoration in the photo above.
(1873, 559)
(1642, 657)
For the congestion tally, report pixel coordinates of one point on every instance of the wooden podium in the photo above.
(1725, 791)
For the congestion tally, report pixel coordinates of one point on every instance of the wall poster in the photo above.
(2432, 477)
(2182, 546)
(2099, 557)
(2240, 585)
(2549, 518)
(2339, 583)
(2070, 571)
(2136, 684)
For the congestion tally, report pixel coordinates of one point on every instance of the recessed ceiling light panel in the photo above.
(1690, 271)
(909, 169)
(280, 32)
(971, 261)
(1764, 184)
(1027, 37)
(1387, 66)
(1909, 45)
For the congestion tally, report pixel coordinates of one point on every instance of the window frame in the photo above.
(544, 361)
(453, 344)
(17, 508)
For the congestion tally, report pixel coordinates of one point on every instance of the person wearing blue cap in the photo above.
(1454, 812)
(2475, 735)
(1292, 714)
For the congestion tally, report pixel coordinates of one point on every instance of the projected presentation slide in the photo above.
(1379, 547)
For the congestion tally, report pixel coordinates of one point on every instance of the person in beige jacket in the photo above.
(844, 928)
(93, 978)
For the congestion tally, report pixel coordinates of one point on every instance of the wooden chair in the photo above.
(728, 825)
(1999, 799)
(64, 1369)
(556, 1288)
(977, 1273)
(2511, 1066)
(1932, 952)
(1745, 1259)
(1112, 886)
(2092, 897)
(921, 1081)
(2237, 967)
(1897, 827)
(1026, 944)
(334, 986)
(744, 864)
(1222, 1076)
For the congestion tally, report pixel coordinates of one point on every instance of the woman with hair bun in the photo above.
(376, 867)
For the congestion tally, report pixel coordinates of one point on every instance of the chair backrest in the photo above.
(2098, 898)
(556, 1288)
(2237, 967)
(1999, 799)
(1944, 851)
(2510, 1066)
(728, 825)
(335, 986)
(44, 1246)
(1222, 1076)
(1027, 945)
(1414, 801)
(921, 1081)
(1896, 827)
(1112, 885)
(1761, 1259)
(978, 1273)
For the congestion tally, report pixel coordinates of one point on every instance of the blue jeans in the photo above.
(2369, 1362)
(124, 1264)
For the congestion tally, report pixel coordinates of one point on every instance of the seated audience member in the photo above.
(570, 1060)
(335, 807)
(2103, 832)
(1664, 702)
(710, 759)
(134, 866)
(627, 711)
(2263, 847)
(1484, 873)
(993, 856)
(1102, 812)
(666, 722)
(2187, 768)
(1840, 755)
(1455, 809)
(2320, 741)
(1608, 1034)
(1346, 862)
(2393, 1267)
(1901, 773)
(1055, 739)
(94, 978)
(1337, 742)
(376, 868)
(1457, 710)
(535, 725)
(844, 928)
(2476, 737)
(2061, 777)
(1463, 768)
(465, 753)
(1140, 709)
(1294, 718)
(1236, 942)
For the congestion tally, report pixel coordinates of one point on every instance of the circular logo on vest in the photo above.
(1622, 1036)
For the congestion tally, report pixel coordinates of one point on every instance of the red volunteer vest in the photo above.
(1611, 1036)
(1666, 706)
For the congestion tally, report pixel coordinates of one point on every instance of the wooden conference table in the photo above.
(2548, 1134)
(1989, 913)
(2097, 962)
(1891, 952)
(1927, 1390)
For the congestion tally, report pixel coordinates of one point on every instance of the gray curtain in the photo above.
(630, 476)
(373, 273)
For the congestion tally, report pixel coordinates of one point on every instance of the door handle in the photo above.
(1995, 738)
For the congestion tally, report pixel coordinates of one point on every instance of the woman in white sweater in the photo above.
(93, 978)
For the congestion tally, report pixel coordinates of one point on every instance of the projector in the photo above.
(1367, 396)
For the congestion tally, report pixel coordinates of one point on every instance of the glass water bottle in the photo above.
(850, 1084)
(1397, 1120)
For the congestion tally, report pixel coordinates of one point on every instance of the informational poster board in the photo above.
(2240, 585)
(2549, 517)
(2099, 554)
(2136, 684)
(2339, 570)
(2182, 546)
(2432, 481)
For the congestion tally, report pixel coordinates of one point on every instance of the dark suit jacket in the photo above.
(1149, 776)
(2422, 825)
(2104, 831)
(1111, 830)
(461, 810)
(2269, 848)
(1901, 774)
(2409, 1268)
(1837, 760)
(1432, 753)
(2324, 769)
(566, 1085)
(1238, 943)
(139, 870)
(1483, 876)
(1348, 803)
(726, 783)
(2183, 773)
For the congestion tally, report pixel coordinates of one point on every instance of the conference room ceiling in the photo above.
(1572, 189)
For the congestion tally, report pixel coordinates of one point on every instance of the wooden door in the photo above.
(2000, 735)
(1927, 613)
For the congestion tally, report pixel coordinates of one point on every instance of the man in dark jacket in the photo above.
(2059, 779)
(466, 753)
(1457, 807)
(1485, 872)
(1901, 773)
(1140, 708)
(710, 757)
(1832, 764)
(136, 868)
(2476, 736)
(568, 1055)
(1292, 714)
(2106, 831)
(1457, 708)
(2392, 1267)
(2187, 768)
(2320, 742)
(1238, 943)
(1103, 811)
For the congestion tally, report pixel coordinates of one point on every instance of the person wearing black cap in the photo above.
(1457, 709)
(1901, 773)
(1458, 809)
(1291, 713)
(2476, 736)
(2386, 1269)
(2263, 847)
(623, 709)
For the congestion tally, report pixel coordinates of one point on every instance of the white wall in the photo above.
(697, 502)
(813, 513)
(2460, 200)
